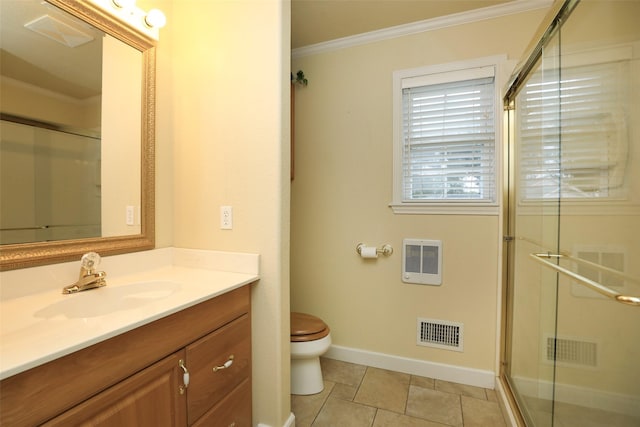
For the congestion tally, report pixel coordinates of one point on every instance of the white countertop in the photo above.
(39, 327)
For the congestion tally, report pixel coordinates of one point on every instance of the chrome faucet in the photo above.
(89, 277)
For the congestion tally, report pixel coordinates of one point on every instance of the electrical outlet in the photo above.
(130, 215)
(226, 217)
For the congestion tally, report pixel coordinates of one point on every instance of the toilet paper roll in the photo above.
(368, 252)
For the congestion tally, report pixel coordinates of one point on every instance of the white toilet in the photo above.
(310, 338)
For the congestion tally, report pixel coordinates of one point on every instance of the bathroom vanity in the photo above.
(140, 372)
(189, 363)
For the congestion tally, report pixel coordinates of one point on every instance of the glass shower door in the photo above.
(572, 340)
(535, 216)
(597, 343)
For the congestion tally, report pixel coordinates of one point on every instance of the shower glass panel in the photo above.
(572, 336)
(536, 221)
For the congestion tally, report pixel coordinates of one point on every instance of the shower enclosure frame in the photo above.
(549, 28)
(559, 11)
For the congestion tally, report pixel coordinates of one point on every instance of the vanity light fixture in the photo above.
(127, 11)
(155, 19)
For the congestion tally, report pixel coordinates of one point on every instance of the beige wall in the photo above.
(343, 186)
(223, 139)
(121, 162)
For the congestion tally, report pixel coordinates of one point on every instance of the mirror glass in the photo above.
(76, 131)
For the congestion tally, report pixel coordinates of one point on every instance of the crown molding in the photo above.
(490, 12)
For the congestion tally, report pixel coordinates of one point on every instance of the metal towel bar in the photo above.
(598, 287)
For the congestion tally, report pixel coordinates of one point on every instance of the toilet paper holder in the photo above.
(385, 250)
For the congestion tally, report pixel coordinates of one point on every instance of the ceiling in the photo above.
(316, 21)
(45, 59)
(312, 21)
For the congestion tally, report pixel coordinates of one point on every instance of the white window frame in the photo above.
(456, 71)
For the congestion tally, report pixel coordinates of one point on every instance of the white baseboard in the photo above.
(423, 368)
(291, 422)
(581, 396)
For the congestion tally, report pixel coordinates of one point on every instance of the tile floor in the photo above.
(357, 395)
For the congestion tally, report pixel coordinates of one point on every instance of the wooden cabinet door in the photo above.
(211, 380)
(149, 398)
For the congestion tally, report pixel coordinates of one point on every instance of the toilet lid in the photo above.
(305, 326)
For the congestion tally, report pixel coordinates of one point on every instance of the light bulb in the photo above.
(155, 19)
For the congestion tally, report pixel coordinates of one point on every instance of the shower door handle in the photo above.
(593, 285)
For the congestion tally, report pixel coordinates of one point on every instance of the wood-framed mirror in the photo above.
(122, 178)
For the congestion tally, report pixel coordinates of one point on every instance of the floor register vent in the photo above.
(440, 334)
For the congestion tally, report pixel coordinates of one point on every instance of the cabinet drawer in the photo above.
(208, 383)
(232, 411)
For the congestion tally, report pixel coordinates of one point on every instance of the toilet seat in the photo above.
(305, 327)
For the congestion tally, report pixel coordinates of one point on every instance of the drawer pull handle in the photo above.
(185, 376)
(226, 364)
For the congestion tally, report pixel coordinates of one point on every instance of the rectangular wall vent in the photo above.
(440, 334)
(59, 31)
(572, 352)
(612, 257)
(422, 261)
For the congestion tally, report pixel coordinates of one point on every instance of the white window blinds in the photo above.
(448, 138)
(572, 125)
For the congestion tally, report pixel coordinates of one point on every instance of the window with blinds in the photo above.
(449, 141)
(572, 125)
(446, 138)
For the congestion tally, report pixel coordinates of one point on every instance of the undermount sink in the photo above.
(106, 300)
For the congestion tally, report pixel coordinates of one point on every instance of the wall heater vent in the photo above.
(572, 352)
(440, 334)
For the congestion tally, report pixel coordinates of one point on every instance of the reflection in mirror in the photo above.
(50, 183)
(77, 133)
(57, 91)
